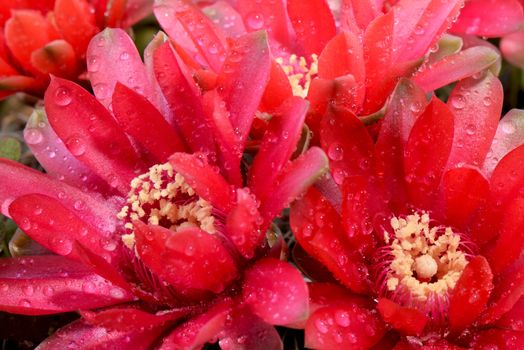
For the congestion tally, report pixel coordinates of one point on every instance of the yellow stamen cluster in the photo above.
(426, 261)
(153, 197)
(299, 73)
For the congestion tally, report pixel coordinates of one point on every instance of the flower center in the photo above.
(299, 72)
(163, 197)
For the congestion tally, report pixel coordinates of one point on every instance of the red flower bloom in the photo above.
(180, 250)
(422, 226)
(43, 37)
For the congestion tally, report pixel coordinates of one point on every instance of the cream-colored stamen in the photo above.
(299, 73)
(426, 260)
(163, 197)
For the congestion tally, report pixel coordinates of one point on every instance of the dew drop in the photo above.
(321, 326)
(62, 96)
(101, 91)
(76, 146)
(470, 129)
(335, 151)
(124, 56)
(508, 128)
(255, 20)
(48, 291)
(342, 318)
(93, 64)
(33, 136)
(458, 102)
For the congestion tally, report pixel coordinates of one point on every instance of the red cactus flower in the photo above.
(38, 38)
(175, 255)
(351, 56)
(421, 228)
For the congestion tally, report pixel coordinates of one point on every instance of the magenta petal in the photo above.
(81, 335)
(226, 17)
(476, 105)
(112, 57)
(57, 227)
(52, 284)
(277, 146)
(243, 79)
(512, 47)
(296, 177)
(276, 292)
(91, 134)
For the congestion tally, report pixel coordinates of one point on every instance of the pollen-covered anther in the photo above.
(299, 72)
(426, 260)
(162, 197)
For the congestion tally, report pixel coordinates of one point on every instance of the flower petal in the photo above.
(476, 105)
(489, 18)
(470, 295)
(512, 48)
(140, 119)
(407, 321)
(57, 58)
(112, 57)
(514, 318)
(465, 63)
(226, 17)
(76, 23)
(427, 152)
(278, 144)
(91, 134)
(276, 292)
(499, 338)
(51, 284)
(206, 263)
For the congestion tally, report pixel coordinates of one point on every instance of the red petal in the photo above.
(348, 145)
(465, 190)
(278, 89)
(204, 179)
(470, 295)
(406, 320)
(330, 294)
(512, 48)
(514, 318)
(317, 228)
(313, 23)
(359, 12)
(509, 135)
(465, 64)
(498, 339)
(25, 32)
(427, 152)
(180, 19)
(140, 119)
(343, 327)
(114, 12)
(276, 292)
(76, 22)
(123, 319)
(183, 98)
(57, 58)
(56, 227)
(112, 57)
(294, 180)
(198, 330)
(278, 144)
(510, 243)
(205, 261)
(51, 284)
(476, 105)
(243, 80)
(91, 134)
(406, 104)
(135, 11)
(81, 335)
(489, 18)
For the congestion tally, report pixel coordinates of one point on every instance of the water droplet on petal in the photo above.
(124, 56)
(62, 96)
(255, 21)
(321, 326)
(342, 318)
(76, 146)
(335, 151)
(33, 136)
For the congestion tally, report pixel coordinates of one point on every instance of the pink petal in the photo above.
(313, 23)
(140, 119)
(343, 327)
(455, 67)
(243, 80)
(296, 177)
(57, 227)
(489, 18)
(91, 134)
(420, 23)
(52, 284)
(183, 98)
(227, 18)
(181, 19)
(359, 12)
(199, 330)
(204, 179)
(81, 335)
(407, 103)
(348, 145)
(476, 105)
(205, 261)
(427, 152)
(112, 57)
(509, 135)
(512, 46)
(278, 144)
(19, 180)
(276, 292)
(56, 159)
